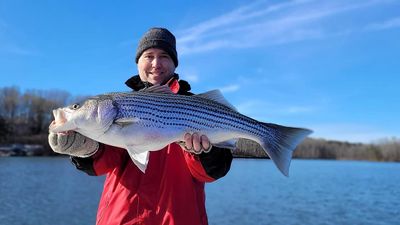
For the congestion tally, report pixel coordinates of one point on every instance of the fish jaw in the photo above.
(92, 117)
(61, 124)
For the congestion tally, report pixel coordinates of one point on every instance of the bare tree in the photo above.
(3, 129)
(390, 149)
(9, 101)
(38, 107)
(56, 97)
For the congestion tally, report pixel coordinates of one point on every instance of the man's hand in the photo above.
(73, 144)
(196, 143)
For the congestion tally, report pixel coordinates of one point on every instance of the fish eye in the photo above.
(75, 106)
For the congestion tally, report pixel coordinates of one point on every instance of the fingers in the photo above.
(205, 143)
(72, 143)
(61, 142)
(197, 144)
(65, 141)
(53, 140)
(188, 141)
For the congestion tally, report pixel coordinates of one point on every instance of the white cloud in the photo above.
(236, 16)
(230, 88)
(262, 24)
(388, 24)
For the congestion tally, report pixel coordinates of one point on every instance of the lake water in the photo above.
(51, 191)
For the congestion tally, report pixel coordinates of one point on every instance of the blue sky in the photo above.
(332, 66)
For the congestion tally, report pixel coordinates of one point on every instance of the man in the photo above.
(172, 189)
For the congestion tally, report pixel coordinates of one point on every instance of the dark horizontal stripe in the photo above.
(179, 99)
(191, 112)
(174, 116)
(185, 99)
(202, 110)
(222, 118)
(161, 119)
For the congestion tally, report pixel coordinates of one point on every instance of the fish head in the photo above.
(93, 116)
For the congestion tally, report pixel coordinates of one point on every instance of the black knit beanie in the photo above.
(158, 38)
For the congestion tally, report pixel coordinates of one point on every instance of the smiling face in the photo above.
(155, 66)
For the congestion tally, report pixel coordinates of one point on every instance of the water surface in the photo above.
(317, 192)
(51, 191)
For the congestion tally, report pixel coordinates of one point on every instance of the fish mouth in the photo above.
(59, 121)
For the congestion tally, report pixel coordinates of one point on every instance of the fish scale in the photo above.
(183, 103)
(180, 108)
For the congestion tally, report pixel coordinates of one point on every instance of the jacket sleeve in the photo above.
(208, 167)
(105, 160)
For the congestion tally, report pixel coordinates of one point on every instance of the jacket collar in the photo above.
(137, 84)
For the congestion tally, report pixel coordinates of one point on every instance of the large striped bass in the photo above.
(152, 118)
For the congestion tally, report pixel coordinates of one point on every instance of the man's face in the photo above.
(155, 66)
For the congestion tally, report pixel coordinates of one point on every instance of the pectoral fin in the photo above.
(126, 121)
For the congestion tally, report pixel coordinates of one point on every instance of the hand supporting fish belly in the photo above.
(195, 143)
(150, 119)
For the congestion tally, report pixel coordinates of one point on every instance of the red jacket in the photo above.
(171, 192)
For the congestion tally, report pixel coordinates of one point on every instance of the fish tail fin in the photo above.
(279, 142)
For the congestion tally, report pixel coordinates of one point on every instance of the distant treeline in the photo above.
(25, 117)
(384, 150)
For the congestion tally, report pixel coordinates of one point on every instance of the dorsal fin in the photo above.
(216, 95)
(164, 89)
